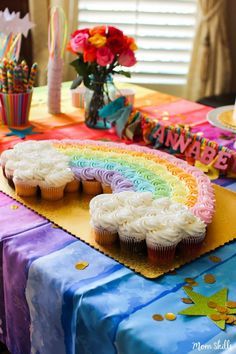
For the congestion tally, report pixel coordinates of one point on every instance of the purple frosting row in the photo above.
(114, 179)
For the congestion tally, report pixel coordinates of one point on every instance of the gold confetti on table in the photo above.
(81, 265)
(212, 304)
(189, 280)
(221, 309)
(209, 278)
(157, 317)
(188, 287)
(14, 206)
(215, 259)
(186, 300)
(170, 316)
(231, 304)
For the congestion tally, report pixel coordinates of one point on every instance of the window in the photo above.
(163, 29)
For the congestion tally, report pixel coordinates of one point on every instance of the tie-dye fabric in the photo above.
(48, 306)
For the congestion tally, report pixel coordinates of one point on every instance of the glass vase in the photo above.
(101, 93)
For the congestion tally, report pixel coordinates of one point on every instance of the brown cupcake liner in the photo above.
(72, 186)
(105, 237)
(132, 245)
(52, 193)
(24, 190)
(191, 245)
(160, 254)
(106, 189)
(92, 187)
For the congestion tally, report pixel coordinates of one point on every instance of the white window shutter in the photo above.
(163, 29)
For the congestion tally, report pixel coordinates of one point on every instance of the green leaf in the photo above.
(80, 67)
(76, 82)
(122, 72)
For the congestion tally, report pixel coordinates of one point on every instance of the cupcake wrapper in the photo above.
(191, 245)
(92, 187)
(161, 254)
(106, 189)
(24, 190)
(72, 186)
(105, 237)
(132, 245)
(52, 193)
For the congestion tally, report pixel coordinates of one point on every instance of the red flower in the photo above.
(127, 58)
(90, 53)
(116, 44)
(113, 31)
(104, 56)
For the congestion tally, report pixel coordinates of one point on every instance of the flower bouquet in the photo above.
(101, 52)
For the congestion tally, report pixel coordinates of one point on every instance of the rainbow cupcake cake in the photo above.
(158, 202)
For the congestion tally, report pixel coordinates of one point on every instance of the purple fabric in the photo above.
(24, 236)
(18, 253)
(14, 221)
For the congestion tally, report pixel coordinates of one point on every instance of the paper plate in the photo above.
(213, 118)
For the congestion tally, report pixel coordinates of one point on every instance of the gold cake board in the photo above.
(72, 215)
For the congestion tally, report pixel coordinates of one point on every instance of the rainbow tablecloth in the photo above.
(47, 306)
(104, 306)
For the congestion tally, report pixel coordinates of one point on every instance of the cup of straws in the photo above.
(16, 88)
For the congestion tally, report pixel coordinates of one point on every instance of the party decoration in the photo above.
(192, 146)
(214, 307)
(21, 133)
(56, 46)
(102, 51)
(11, 29)
(16, 92)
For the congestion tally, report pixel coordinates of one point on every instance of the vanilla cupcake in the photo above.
(25, 182)
(53, 185)
(105, 227)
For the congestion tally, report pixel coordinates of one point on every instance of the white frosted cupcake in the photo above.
(103, 201)
(132, 237)
(25, 182)
(193, 231)
(105, 227)
(161, 244)
(53, 185)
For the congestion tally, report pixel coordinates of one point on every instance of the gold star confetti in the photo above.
(81, 265)
(14, 206)
(216, 312)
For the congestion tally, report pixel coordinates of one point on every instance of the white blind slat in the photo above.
(163, 29)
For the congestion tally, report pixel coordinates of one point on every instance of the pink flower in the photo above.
(104, 56)
(127, 58)
(78, 42)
